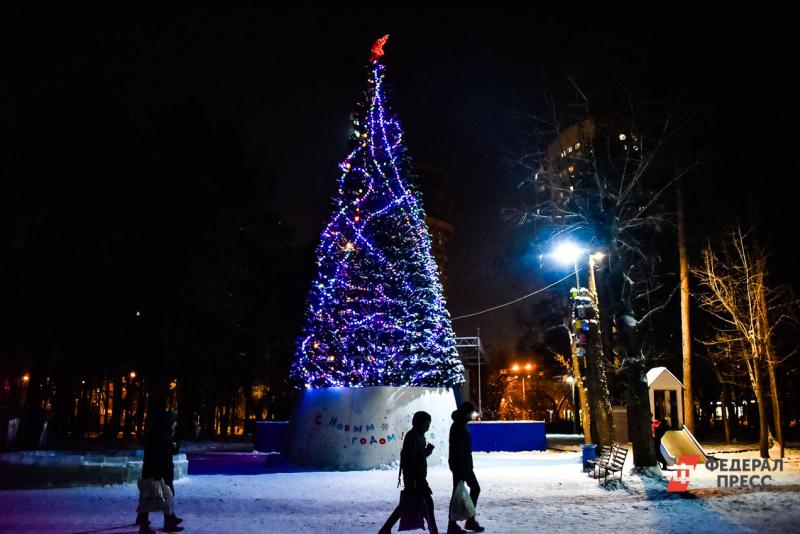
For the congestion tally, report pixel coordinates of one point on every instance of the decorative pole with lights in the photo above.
(375, 315)
(587, 353)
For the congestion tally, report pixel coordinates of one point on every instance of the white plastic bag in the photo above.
(154, 496)
(461, 506)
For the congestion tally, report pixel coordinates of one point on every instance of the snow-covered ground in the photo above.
(521, 492)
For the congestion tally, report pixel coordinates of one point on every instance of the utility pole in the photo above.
(686, 337)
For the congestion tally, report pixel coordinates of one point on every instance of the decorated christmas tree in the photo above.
(376, 314)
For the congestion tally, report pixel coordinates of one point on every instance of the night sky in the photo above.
(465, 83)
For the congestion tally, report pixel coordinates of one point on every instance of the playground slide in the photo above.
(676, 443)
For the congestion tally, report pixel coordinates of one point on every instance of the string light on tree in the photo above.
(375, 313)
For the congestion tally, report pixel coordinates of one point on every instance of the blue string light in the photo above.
(375, 313)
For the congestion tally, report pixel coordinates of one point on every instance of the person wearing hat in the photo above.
(159, 446)
(460, 462)
(414, 470)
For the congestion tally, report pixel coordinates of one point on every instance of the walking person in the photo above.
(460, 461)
(159, 446)
(414, 469)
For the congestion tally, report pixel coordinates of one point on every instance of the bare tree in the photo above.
(747, 312)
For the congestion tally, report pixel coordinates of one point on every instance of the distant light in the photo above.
(138, 313)
(515, 367)
(622, 137)
(570, 380)
(528, 367)
(598, 256)
(133, 374)
(26, 377)
(567, 252)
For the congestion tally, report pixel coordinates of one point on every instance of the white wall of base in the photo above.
(363, 428)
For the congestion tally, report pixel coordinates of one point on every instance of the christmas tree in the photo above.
(376, 314)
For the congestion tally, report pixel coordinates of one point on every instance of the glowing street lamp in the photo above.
(567, 252)
(516, 368)
(571, 382)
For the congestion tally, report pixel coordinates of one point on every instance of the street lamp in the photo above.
(571, 381)
(565, 253)
(516, 368)
(568, 252)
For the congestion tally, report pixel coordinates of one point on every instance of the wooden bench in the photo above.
(605, 454)
(614, 463)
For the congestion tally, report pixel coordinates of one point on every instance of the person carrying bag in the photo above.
(416, 501)
(460, 462)
(156, 489)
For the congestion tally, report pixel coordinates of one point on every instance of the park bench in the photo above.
(605, 454)
(614, 463)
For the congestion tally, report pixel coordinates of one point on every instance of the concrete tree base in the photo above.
(363, 428)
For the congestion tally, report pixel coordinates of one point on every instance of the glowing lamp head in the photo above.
(528, 367)
(26, 377)
(515, 367)
(567, 252)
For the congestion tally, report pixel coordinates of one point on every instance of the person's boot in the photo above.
(453, 528)
(141, 519)
(145, 529)
(171, 523)
(473, 525)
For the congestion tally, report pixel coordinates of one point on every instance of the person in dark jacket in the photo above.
(414, 468)
(460, 461)
(159, 446)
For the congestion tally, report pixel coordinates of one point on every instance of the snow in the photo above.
(521, 492)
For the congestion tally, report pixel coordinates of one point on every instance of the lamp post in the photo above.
(571, 382)
(568, 253)
(516, 368)
(586, 337)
